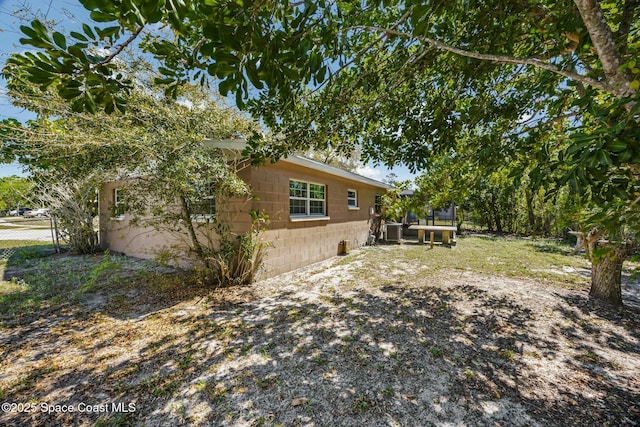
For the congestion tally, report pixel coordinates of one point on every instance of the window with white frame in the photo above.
(352, 199)
(118, 205)
(307, 199)
(378, 204)
(203, 205)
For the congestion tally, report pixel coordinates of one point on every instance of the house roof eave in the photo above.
(332, 170)
(240, 144)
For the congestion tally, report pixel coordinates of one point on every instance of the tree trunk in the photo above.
(489, 220)
(530, 213)
(606, 273)
(496, 214)
(605, 45)
(186, 215)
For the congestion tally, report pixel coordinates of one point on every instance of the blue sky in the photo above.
(64, 12)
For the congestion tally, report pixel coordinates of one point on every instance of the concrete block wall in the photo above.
(295, 244)
(295, 248)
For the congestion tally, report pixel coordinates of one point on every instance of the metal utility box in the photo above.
(394, 232)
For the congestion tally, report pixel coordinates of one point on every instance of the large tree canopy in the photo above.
(402, 79)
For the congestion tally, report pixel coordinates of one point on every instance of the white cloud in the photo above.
(370, 172)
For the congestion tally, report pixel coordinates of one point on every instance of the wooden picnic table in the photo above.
(448, 233)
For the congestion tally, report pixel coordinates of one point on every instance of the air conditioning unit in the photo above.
(394, 232)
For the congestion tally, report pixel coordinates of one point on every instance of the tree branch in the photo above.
(589, 81)
(362, 51)
(117, 52)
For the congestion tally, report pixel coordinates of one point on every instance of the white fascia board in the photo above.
(314, 164)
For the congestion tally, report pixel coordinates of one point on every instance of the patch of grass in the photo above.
(186, 359)
(160, 386)
(320, 360)
(542, 259)
(215, 393)
(16, 252)
(534, 354)
(507, 354)
(265, 350)
(244, 350)
(34, 279)
(436, 352)
(613, 364)
(266, 383)
(106, 264)
(469, 374)
(27, 382)
(362, 403)
(28, 222)
(589, 357)
(115, 420)
(6, 244)
(17, 297)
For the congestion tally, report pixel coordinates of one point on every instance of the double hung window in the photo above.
(118, 206)
(307, 199)
(352, 199)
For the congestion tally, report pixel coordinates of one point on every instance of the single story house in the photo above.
(312, 208)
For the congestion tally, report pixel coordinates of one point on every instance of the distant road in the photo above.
(42, 235)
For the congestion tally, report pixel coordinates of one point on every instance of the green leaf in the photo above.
(40, 76)
(60, 40)
(41, 30)
(225, 56)
(90, 103)
(239, 100)
(30, 32)
(77, 106)
(164, 81)
(152, 11)
(94, 4)
(225, 86)
(88, 31)
(99, 16)
(616, 146)
(604, 158)
(109, 108)
(67, 92)
(252, 73)
(36, 43)
(77, 52)
(78, 36)
(167, 72)
(108, 32)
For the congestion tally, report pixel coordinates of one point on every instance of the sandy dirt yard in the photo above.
(386, 336)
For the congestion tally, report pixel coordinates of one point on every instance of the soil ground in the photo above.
(387, 336)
